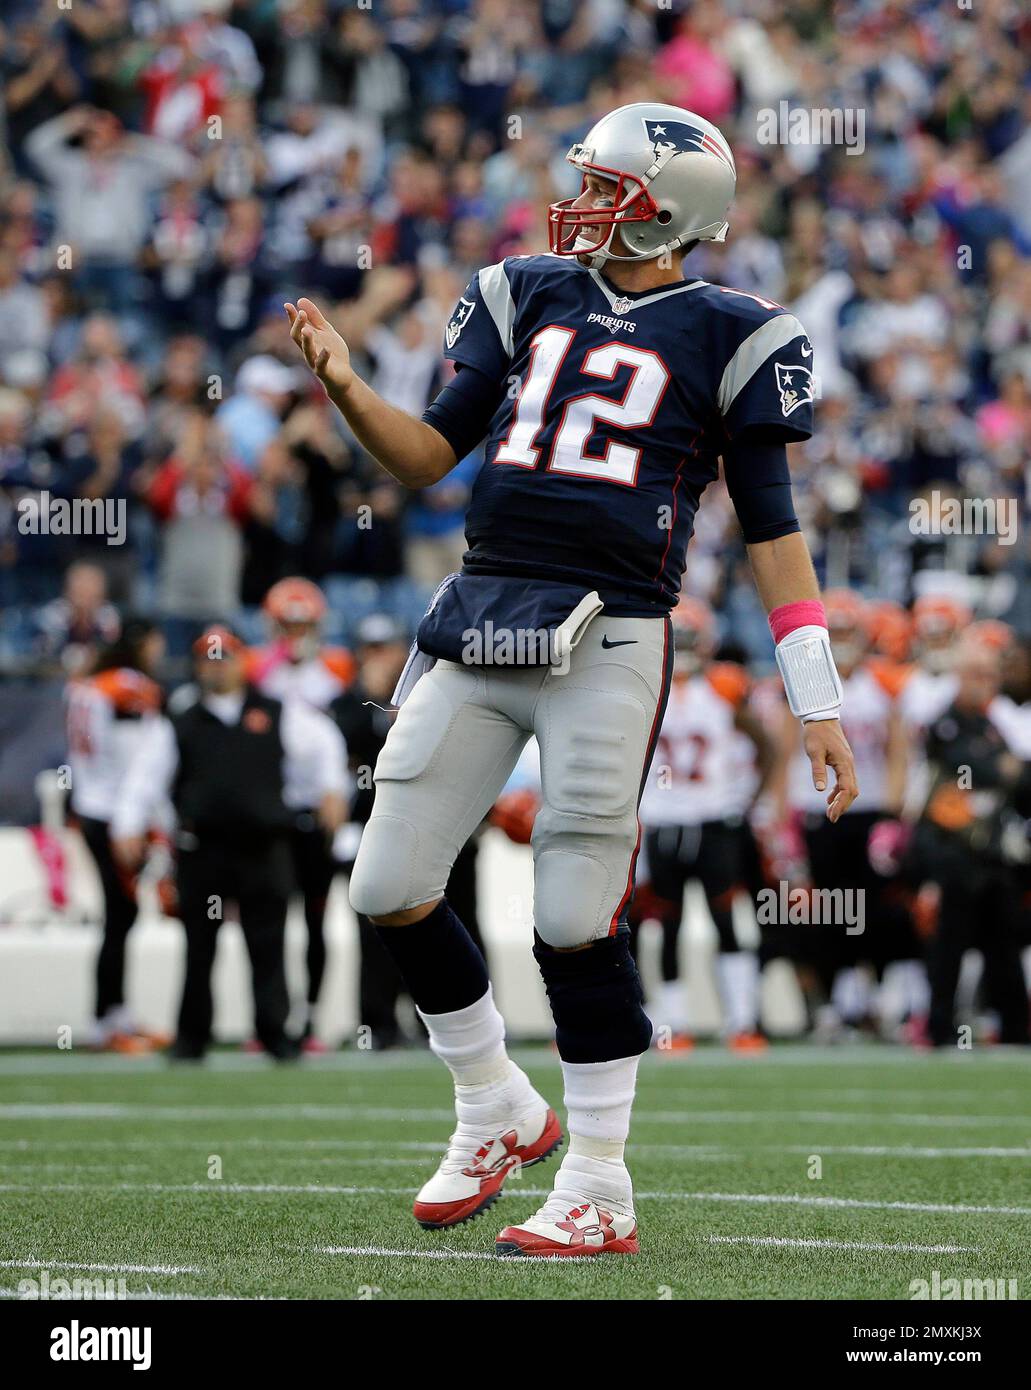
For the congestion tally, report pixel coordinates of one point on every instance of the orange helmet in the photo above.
(295, 600)
(990, 633)
(847, 625)
(891, 629)
(939, 616)
(938, 620)
(845, 609)
(693, 615)
(694, 632)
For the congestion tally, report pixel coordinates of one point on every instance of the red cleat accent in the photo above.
(587, 1230)
(484, 1177)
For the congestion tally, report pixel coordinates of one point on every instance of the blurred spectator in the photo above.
(74, 627)
(203, 500)
(250, 418)
(101, 193)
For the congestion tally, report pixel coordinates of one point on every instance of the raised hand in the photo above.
(324, 350)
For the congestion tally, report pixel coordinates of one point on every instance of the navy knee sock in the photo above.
(438, 960)
(596, 1000)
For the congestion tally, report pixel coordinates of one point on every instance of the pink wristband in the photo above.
(807, 612)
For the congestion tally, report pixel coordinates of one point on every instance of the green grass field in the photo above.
(105, 1163)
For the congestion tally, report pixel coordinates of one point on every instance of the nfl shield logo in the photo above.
(620, 306)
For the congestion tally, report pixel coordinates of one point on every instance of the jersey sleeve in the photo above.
(480, 331)
(766, 386)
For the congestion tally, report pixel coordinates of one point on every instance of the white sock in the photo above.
(599, 1096)
(489, 1088)
(738, 975)
(587, 1173)
(670, 1010)
(852, 994)
(598, 1099)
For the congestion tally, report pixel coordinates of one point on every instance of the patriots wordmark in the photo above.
(614, 325)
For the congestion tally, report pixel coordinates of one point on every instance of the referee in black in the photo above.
(226, 761)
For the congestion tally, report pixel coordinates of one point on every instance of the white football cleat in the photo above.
(582, 1230)
(473, 1171)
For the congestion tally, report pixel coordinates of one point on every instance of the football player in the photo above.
(875, 730)
(109, 713)
(930, 686)
(696, 797)
(296, 665)
(607, 387)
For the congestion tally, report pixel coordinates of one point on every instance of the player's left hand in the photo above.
(826, 746)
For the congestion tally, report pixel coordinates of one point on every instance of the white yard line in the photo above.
(864, 1150)
(430, 1146)
(517, 1189)
(381, 1251)
(873, 1245)
(788, 1055)
(101, 1269)
(845, 1203)
(84, 1110)
(245, 1142)
(148, 1296)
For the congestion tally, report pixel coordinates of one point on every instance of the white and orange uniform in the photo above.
(108, 717)
(870, 693)
(697, 772)
(317, 681)
(924, 696)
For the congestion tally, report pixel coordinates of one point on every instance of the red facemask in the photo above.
(631, 203)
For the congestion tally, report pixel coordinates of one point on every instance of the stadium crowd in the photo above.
(173, 170)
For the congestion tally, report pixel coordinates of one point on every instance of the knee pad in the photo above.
(579, 880)
(380, 880)
(596, 999)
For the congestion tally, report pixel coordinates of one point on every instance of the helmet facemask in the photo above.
(631, 202)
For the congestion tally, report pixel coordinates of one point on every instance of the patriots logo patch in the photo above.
(795, 385)
(682, 137)
(458, 321)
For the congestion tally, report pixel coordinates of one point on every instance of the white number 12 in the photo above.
(640, 403)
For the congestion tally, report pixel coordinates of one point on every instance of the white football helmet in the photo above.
(674, 176)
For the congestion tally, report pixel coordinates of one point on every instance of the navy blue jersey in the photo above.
(614, 411)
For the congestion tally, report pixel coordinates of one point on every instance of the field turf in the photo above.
(106, 1170)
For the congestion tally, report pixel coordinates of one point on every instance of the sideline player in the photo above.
(694, 805)
(607, 387)
(297, 665)
(109, 714)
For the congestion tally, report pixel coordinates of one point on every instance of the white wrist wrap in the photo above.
(810, 677)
